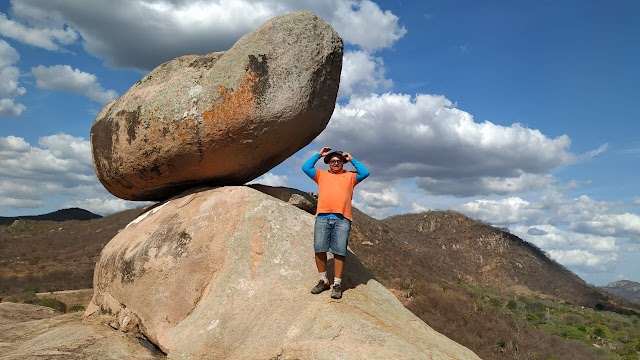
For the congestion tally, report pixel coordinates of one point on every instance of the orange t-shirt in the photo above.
(335, 192)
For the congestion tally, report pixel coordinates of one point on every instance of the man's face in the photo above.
(335, 164)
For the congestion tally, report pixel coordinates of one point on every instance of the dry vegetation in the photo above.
(489, 290)
(42, 255)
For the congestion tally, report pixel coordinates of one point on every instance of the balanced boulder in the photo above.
(222, 118)
(225, 273)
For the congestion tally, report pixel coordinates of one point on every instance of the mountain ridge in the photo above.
(73, 213)
(625, 289)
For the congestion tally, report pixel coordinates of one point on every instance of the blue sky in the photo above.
(520, 114)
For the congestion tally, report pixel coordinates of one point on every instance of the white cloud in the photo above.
(377, 198)
(427, 137)
(48, 37)
(487, 184)
(363, 23)
(584, 260)
(585, 215)
(63, 159)
(553, 238)
(64, 78)
(270, 179)
(58, 168)
(557, 226)
(626, 224)
(584, 252)
(417, 208)
(8, 55)
(168, 29)
(512, 210)
(385, 199)
(9, 88)
(362, 74)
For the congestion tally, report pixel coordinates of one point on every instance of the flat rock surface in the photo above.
(35, 332)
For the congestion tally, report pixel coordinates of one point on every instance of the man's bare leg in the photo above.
(338, 265)
(321, 262)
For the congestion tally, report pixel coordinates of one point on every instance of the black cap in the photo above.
(333, 154)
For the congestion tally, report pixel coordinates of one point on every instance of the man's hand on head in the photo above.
(347, 156)
(324, 151)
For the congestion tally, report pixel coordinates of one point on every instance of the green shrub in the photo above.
(533, 317)
(573, 333)
(627, 352)
(512, 305)
(495, 302)
(52, 303)
(75, 308)
(31, 288)
(602, 331)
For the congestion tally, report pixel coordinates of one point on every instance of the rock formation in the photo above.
(36, 332)
(222, 118)
(226, 273)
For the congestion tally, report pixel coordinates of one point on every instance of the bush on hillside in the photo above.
(52, 303)
(75, 308)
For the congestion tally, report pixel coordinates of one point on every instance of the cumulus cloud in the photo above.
(586, 215)
(9, 88)
(384, 199)
(465, 187)
(513, 210)
(377, 198)
(626, 224)
(417, 208)
(362, 74)
(64, 78)
(58, 168)
(428, 138)
(172, 28)
(363, 23)
(48, 35)
(584, 260)
(586, 252)
(580, 233)
(270, 179)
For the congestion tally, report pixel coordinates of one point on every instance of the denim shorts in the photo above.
(331, 234)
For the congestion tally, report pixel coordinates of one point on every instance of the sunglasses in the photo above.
(335, 162)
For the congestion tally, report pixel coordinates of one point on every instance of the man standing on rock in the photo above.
(333, 216)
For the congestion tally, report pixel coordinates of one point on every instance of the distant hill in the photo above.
(59, 215)
(626, 289)
(55, 255)
(455, 248)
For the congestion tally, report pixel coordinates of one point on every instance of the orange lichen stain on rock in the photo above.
(231, 106)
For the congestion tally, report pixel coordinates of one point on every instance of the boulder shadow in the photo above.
(354, 273)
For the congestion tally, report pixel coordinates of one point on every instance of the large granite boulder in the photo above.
(225, 273)
(222, 118)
